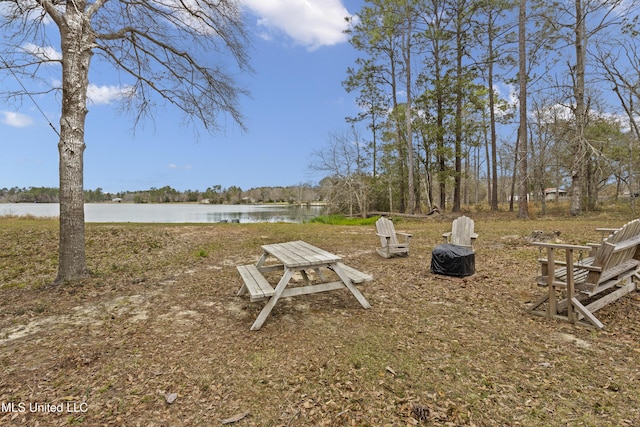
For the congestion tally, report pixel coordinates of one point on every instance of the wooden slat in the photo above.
(613, 296)
(312, 253)
(255, 283)
(386, 231)
(355, 276)
(312, 289)
(299, 254)
(626, 244)
(462, 232)
(586, 313)
(561, 246)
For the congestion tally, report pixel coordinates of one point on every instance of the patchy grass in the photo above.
(342, 220)
(160, 316)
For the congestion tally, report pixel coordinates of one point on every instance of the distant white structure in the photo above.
(552, 193)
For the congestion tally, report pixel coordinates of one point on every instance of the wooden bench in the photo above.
(579, 272)
(614, 263)
(356, 276)
(255, 283)
(260, 289)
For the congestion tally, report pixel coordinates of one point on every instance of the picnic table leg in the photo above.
(347, 282)
(242, 290)
(260, 262)
(266, 310)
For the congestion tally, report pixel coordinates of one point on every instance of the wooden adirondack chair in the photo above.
(391, 246)
(462, 232)
(599, 279)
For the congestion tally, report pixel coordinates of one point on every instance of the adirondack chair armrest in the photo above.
(544, 262)
(406, 235)
(446, 235)
(626, 244)
(386, 237)
(561, 246)
(474, 235)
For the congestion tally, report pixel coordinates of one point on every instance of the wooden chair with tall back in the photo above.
(390, 244)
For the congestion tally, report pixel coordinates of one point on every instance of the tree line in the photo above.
(488, 101)
(216, 194)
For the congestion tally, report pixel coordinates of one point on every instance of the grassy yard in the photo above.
(159, 322)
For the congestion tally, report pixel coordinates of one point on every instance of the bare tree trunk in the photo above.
(523, 206)
(457, 186)
(77, 43)
(514, 176)
(494, 175)
(492, 191)
(407, 58)
(488, 165)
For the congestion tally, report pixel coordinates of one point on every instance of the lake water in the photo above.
(164, 213)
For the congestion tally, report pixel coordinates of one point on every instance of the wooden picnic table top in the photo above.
(300, 254)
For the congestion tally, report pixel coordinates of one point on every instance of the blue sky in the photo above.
(299, 56)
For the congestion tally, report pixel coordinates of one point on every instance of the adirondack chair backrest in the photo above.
(385, 227)
(461, 231)
(618, 248)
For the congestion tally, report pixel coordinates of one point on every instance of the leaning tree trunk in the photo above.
(76, 42)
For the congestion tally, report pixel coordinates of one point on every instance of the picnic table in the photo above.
(291, 258)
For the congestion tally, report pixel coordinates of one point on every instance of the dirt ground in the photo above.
(158, 337)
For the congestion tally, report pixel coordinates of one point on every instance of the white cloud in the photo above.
(311, 23)
(509, 94)
(44, 53)
(107, 94)
(17, 120)
(555, 112)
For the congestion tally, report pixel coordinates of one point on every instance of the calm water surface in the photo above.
(162, 213)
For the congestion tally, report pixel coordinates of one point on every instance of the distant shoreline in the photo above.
(110, 212)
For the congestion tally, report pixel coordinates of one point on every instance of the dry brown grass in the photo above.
(160, 316)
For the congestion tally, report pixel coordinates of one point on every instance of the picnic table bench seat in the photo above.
(614, 263)
(255, 283)
(579, 271)
(260, 289)
(356, 276)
